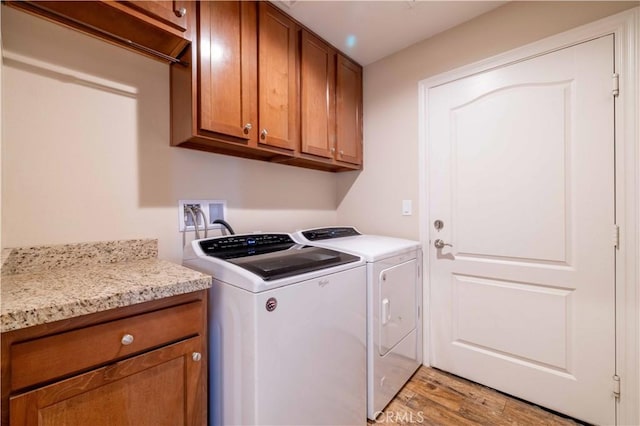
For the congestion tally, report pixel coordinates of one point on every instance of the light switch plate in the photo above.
(407, 208)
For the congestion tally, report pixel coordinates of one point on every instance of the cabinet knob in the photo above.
(197, 356)
(333, 150)
(181, 12)
(263, 134)
(127, 339)
(341, 153)
(246, 128)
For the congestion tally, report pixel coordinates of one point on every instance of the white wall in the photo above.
(372, 199)
(1, 132)
(87, 162)
(82, 162)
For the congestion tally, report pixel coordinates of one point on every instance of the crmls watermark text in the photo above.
(399, 417)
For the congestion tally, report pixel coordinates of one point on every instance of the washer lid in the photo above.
(273, 256)
(294, 261)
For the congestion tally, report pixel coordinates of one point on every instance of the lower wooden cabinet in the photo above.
(145, 365)
(156, 388)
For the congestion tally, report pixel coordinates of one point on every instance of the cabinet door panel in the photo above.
(164, 11)
(228, 82)
(147, 25)
(277, 78)
(162, 387)
(317, 93)
(349, 111)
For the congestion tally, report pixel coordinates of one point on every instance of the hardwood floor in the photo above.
(433, 397)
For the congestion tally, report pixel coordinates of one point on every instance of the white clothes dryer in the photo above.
(394, 305)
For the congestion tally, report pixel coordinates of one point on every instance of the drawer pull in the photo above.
(127, 339)
(197, 356)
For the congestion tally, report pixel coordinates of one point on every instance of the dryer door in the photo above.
(397, 303)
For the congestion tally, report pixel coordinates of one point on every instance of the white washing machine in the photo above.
(287, 331)
(394, 304)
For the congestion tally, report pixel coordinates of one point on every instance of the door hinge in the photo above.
(616, 85)
(616, 386)
(616, 236)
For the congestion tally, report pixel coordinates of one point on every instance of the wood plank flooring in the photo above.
(433, 397)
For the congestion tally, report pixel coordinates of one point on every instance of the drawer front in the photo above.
(55, 356)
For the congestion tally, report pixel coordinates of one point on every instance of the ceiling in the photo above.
(370, 30)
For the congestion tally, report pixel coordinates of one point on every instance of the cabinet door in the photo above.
(348, 111)
(317, 96)
(161, 387)
(172, 13)
(149, 27)
(227, 60)
(278, 96)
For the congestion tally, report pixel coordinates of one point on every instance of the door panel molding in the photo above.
(625, 27)
(473, 174)
(471, 329)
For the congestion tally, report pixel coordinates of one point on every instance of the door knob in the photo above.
(440, 244)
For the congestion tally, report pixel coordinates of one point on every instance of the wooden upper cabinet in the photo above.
(348, 111)
(331, 103)
(227, 61)
(277, 78)
(172, 13)
(317, 96)
(256, 84)
(159, 29)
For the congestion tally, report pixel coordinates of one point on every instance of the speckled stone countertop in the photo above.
(50, 283)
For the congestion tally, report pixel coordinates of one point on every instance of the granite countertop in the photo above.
(50, 283)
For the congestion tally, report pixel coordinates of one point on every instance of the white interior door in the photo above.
(521, 173)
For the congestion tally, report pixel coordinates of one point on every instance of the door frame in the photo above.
(625, 26)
